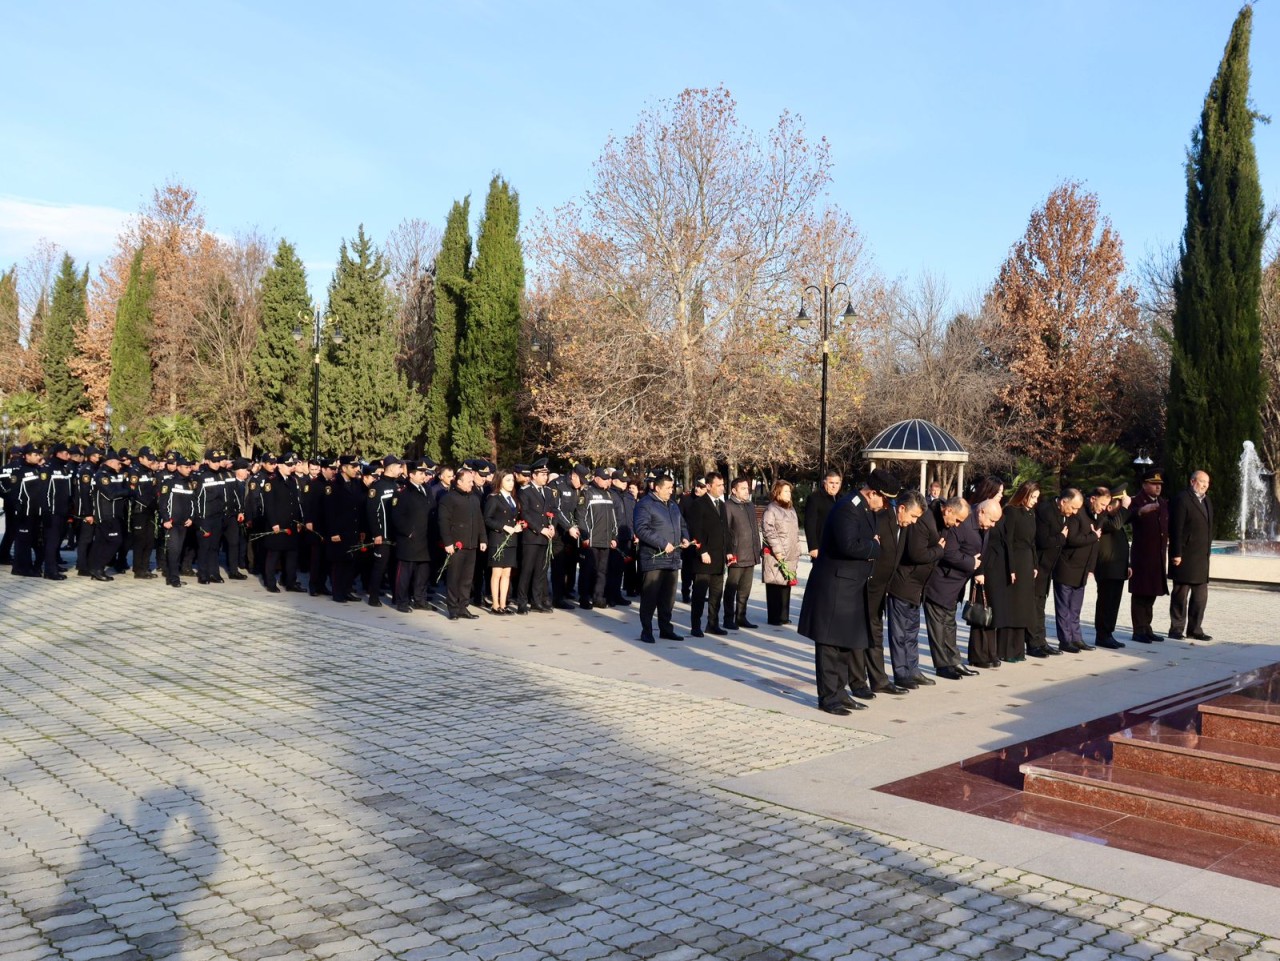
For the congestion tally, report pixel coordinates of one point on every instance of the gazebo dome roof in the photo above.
(915, 440)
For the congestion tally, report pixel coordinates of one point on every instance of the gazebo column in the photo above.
(924, 477)
(960, 482)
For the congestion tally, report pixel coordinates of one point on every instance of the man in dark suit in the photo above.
(960, 560)
(834, 612)
(1051, 535)
(1190, 540)
(1071, 572)
(816, 509)
(709, 532)
(462, 528)
(869, 677)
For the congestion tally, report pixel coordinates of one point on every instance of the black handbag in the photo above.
(977, 613)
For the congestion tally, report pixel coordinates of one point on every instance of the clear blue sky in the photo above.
(949, 121)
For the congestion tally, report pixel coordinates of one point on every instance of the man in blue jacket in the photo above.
(660, 528)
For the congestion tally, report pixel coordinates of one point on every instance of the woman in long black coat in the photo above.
(1011, 576)
(501, 514)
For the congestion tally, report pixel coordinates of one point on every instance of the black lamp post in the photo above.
(4, 432)
(106, 423)
(825, 293)
(336, 337)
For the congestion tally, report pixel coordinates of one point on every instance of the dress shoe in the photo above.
(237, 576)
(696, 632)
(743, 622)
(563, 605)
(187, 572)
(1067, 648)
(923, 681)
(1200, 636)
(865, 693)
(202, 580)
(950, 673)
(1142, 638)
(174, 582)
(835, 709)
(786, 621)
(294, 589)
(522, 609)
(717, 631)
(1084, 646)
(891, 689)
(965, 671)
(101, 576)
(466, 615)
(375, 600)
(55, 577)
(670, 636)
(452, 616)
(730, 625)
(274, 589)
(145, 575)
(906, 683)
(1110, 643)
(1037, 652)
(339, 600)
(587, 605)
(1175, 636)
(540, 609)
(404, 608)
(621, 602)
(647, 638)
(84, 573)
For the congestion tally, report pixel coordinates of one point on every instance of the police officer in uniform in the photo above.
(340, 516)
(233, 520)
(564, 559)
(597, 521)
(60, 471)
(411, 521)
(176, 510)
(30, 505)
(378, 524)
(538, 508)
(211, 505)
(142, 519)
(83, 505)
(111, 497)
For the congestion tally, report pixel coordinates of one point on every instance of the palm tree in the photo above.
(173, 432)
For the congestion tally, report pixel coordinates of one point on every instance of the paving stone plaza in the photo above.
(215, 772)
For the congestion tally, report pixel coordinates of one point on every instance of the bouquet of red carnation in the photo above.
(733, 558)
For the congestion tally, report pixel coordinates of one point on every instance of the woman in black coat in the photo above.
(501, 519)
(1011, 572)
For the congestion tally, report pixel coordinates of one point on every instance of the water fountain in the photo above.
(1250, 556)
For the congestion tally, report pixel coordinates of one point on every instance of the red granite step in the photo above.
(1204, 807)
(1195, 757)
(1244, 719)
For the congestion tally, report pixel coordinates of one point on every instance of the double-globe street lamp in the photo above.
(336, 336)
(825, 292)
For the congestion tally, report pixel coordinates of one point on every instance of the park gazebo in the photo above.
(917, 440)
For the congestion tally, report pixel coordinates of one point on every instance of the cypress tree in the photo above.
(488, 379)
(64, 392)
(1215, 381)
(129, 389)
(366, 401)
(453, 273)
(280, 365)
(10, 322)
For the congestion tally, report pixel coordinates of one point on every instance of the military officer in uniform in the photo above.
(411, 521)
(340, 516)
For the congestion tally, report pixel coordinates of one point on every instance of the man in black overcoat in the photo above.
(538, 509)
(1190, 541)
(1071, 573)
(1109, 512)
(869, 677)
(834, 612)
(817, 507)
(463, 531)
(1051, 535)
(1148, 555)
(926, 543)
(411, 521)
(342, 515)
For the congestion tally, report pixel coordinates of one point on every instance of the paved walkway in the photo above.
(219, 773)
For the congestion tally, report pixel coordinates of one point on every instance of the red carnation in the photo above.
(551, 514)
(288, 532)
(794, 582)
(522, 524)
(769, 552)
(695, 543)
(586, 543)
(733, 558)
(457, 546)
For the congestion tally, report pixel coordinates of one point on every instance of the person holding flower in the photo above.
(781, 527)
(463, 532)
(503, 525)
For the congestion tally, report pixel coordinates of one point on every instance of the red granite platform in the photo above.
(1193, 778)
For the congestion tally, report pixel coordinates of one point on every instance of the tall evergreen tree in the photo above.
(1215, 382)
(366, 402)
(10, 321)
(129, 389)
(68, 315)
(488, 379)
(453, 273)
(281, 365)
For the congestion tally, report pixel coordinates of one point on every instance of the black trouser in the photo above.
(342, 570)
(1107, 609)
(869, 664)
(190, 536)
(208, 539)
(380, 560)
(631, 573)
(708, 590)
(983, 645)
(413, 582)
(459, 577)
(940, 625)
(832, 669)
(84, 544)
(275, 561)
(737, 591)
(24, 543)
(777, 599)
(317, 566)
(1036, 633)
(480, 578)
(687, 557)
(657, 595)
(6, 542)
(613, 575)
(173, 553)
(1142, 612)
(533, 576)
(593, 577)
(55, 526)
(1186, 608)
(231, 534)
(108, 534)
(142, 537)
(564, 560)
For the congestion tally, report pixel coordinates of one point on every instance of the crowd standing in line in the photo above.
(515, 542)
